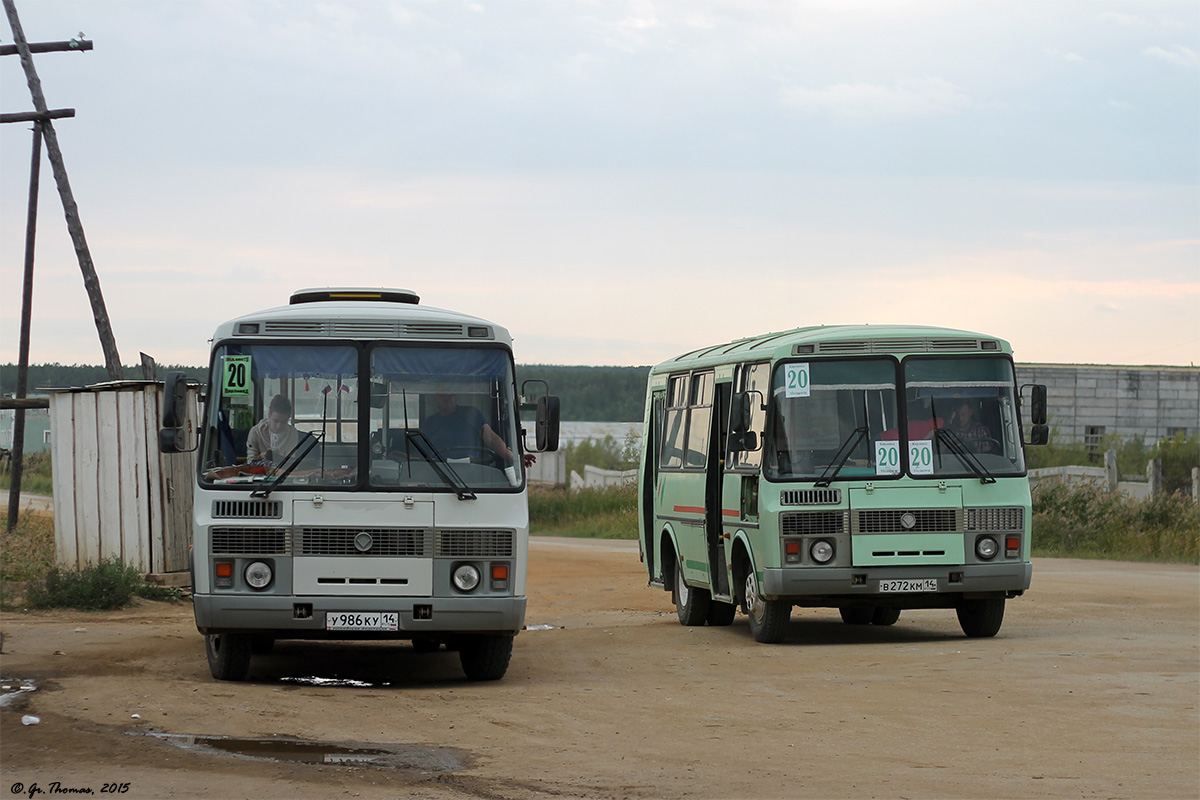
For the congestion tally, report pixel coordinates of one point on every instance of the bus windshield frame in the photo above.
(371, 406)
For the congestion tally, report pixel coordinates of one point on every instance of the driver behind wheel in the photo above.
(975, 435)
(458, 431)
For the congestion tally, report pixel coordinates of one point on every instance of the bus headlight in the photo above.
(821, 551)
(986, 547)
(465, 577)
(258, 575)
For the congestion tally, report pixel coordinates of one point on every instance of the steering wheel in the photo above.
(477, 454)
(996, 448)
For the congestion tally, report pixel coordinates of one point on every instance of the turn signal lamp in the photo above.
(1012, 546)
(499, 576)
(223, 570)
(792, 551)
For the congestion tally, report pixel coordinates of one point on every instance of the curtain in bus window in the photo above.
(281, 361)
(437, 363)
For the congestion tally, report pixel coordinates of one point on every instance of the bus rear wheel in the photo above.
(885, 616)
(768, 618)
(981, 618)
(485, 657)
(228, 655)
(691, 604)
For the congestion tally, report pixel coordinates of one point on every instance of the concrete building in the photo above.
(1089, 401)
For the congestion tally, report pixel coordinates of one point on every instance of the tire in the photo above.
(261, 643)
(981, 618)
(691, 604)
(856, 615)
(228, 655)
(768, 618)
(721, 614)
(485, 657)
(885, 616)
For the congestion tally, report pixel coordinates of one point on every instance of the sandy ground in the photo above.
(1090, 690)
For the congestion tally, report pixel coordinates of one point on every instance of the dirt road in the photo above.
(1090, 690)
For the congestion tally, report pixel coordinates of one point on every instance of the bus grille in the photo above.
(810, 497)
(247, 541)
(247, 509)
(816, 523)
(412, 542)
(995, 519)
(925, 520)
(475, 544)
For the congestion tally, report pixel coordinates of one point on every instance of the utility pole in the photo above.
(91, 282)
(43, 131)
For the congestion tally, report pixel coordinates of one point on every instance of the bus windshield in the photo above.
(828, 417)
(962, 417)
(437, 418)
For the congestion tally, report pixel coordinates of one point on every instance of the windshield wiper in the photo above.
(268, 484)
(842, 456)
(440, 465)
(958, 448)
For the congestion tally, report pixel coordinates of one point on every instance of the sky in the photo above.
(617, 182)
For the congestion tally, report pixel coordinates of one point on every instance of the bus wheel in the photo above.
(885, 616)
(856, 615)
(721, 614)
(261, 643)
(980, 618)
(768, 618)
(691, 604)
(486, 657)
(228, 655)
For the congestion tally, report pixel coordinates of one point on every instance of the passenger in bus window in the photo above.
(273, 437)
(975, 435)
(462, 431)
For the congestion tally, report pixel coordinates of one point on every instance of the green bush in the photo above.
(1179, 456)
(1089, 522)
(601, 513)
(606, 453)
(107, 585)
(36, 475)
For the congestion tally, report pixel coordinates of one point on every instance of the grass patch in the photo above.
(1089, 522)
(601, 513)
(27, 551)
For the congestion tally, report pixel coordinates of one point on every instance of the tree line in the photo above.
(588, 394)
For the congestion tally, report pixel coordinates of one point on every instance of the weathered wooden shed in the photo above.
(115, 495)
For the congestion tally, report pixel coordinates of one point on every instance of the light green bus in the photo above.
(870, 469)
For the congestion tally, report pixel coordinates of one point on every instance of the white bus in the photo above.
(360, 476)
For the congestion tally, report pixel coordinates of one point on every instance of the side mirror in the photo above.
(172, 438)
(174, 410)
(546, 428)
(744, 441)
(1039, 434)
(379, 394)
(1037, 403)
(739, 412)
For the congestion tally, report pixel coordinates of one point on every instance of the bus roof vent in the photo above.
(953, 345)
(810, 497)
(844, 347)
(433, 330)
(293, 328)
(355, 294)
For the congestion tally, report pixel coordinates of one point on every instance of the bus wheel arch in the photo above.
(667, 556)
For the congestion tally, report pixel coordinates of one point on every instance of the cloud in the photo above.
(1175, 54)
(1065, 56)
(907, 98)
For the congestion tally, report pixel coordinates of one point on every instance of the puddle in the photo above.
(315, 681)
(12, 688)
(364, 754)
(541, 627)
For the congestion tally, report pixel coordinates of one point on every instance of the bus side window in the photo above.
(672, 447)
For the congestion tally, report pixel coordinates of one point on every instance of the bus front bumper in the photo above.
(820, 586)
(304, 617)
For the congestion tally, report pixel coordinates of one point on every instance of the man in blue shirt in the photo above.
(462, 431)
